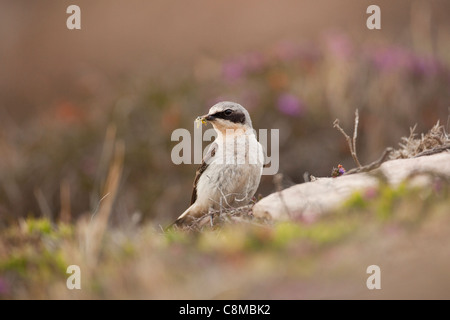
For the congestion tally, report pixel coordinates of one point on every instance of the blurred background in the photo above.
(137, 70)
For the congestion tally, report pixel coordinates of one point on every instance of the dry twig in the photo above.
(372, 165)
(98, 223)
(351, 142)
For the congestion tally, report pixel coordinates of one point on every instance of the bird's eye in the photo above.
(228, 112)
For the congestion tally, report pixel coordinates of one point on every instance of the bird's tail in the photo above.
(184, 218)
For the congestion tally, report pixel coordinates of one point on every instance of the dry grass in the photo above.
(403, 231)
(216, 219)
(434, 141)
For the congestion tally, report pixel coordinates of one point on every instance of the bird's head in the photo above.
(227, 115)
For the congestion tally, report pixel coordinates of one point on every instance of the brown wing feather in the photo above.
(205, 163)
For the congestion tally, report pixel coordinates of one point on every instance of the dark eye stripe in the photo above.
(235, 117)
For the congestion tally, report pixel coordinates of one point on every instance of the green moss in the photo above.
(38, 226)
(322, 232)
(29, 262)
(388, 197)
(356, 201)
(175, 236)
(53, 261)
(256, 238)
(65, 230)
(16, 263)
(286, 232)
(382, 203)
(128, 249)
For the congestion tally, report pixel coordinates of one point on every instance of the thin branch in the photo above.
(447, 130)
(98, 205)
(433, 151)
(43, 204)
(351, 143)
(355, 135)
(372, 165)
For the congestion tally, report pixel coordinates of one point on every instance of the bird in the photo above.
(231, 169)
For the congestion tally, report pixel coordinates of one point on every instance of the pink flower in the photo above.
(339, 46)
(371, 193)
(4, 287)
(290, 105)
(337, 172)
(239, 67)
(427, 66)
(254, 61)
(233, 70)
(392, 59)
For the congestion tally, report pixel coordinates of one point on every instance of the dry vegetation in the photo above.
(434, 141)
(402, 230)
(230, 254)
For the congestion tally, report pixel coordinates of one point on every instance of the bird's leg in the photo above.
(211, 213)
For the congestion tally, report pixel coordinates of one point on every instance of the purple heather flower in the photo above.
(233, 70)
(290, 105)
(427, 66)
(370, 193)
(237, 68)
(337, 172)
(395, 58)
(4, 287)
(437, 185)
(389, 59)
(339, 45)
(254, 61)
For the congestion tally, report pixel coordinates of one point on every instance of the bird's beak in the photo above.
(203, 119)
(206, 117)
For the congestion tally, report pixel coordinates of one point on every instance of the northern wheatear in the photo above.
(231, 169)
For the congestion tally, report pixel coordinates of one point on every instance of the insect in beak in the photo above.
(204, 119)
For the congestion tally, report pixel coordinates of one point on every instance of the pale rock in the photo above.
(308, 200)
